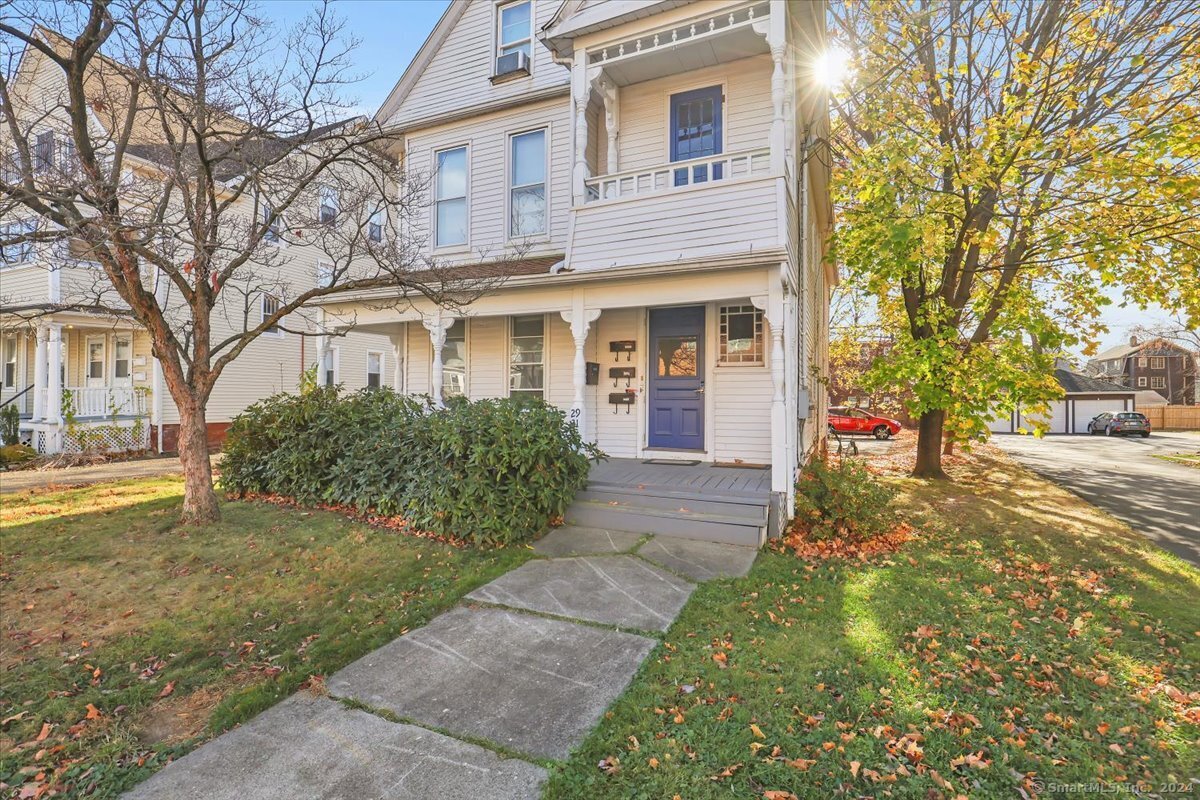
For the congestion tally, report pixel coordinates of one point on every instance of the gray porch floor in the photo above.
(705, 478)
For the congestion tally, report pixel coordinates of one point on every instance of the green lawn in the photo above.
(1024, 637)
(128, 639)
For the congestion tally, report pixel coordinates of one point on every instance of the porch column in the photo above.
(399, 340)
(437, 327)
(580, 321)
(774, 29)
(40, 373)
(612, 122)
(772, 307)
(580, 92)
(53, 409)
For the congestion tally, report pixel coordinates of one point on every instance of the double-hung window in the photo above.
(327, 374)
(122, 357)
(454, 360)
(324, 274)
(1158, 362)
(527, 184)
(516, 29)
(43, 152)
(375, 227)
(329, 204)
(10, 362)
(527, 357)
(273, 225)
(269, 308)
(1141, 361)
(1158, 382)
(19, 251)
(374, 370)
(450, 187)
(741, 335)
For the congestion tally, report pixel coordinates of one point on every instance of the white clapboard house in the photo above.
(652, 179)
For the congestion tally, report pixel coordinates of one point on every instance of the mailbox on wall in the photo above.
(626, 346)
(592, 374)
(618, 399)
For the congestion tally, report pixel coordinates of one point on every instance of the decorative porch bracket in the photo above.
(580, 321)
(438, 325)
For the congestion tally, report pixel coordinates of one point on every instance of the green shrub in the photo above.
(490, 471)
(10, 424)
(842, 499)
(16, 453)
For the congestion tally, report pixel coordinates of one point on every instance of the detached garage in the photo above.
(1084, 397)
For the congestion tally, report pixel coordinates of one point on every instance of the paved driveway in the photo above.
(1158, 498)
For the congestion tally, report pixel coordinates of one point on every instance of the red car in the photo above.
(855, 420)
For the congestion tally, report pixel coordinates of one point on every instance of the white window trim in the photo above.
(1158, 382)
(337, 203)
(29, 249)
(691, 87)
(16, 361)
(544, 236)
(113, 367)
(546, 346)
(382, 215)
(762, 361)
(1142, 381)
(88, 339)
(264, 206)
(466, 321)
(1158, 362)
(1141, 362)
(334, 362)
(496, 32)
(466, 244)
(382, 368)
(317, 277)
(263, 315)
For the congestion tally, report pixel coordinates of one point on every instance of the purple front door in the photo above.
(676, 403)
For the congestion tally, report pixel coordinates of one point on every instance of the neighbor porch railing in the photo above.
(679, 175)
(101, 401)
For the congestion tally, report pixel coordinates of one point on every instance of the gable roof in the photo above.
(433, 42)
(1078, 383)
(1160, 347)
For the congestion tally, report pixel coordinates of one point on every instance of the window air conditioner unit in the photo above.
(509, 63)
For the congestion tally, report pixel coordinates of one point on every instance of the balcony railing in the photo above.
(101, 401)
(679, 175)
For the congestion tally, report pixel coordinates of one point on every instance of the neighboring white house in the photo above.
(655, 174)
(72, 372)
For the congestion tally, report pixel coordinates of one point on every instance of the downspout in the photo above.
(802, 286)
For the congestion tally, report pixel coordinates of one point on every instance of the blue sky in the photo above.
(391, 32)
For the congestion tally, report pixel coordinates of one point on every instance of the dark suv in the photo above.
(1120, 423)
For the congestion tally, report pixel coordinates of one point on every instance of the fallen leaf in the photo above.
(166, 690)
(855, 766)
(757, 731)
(46, 726)
(93, 712)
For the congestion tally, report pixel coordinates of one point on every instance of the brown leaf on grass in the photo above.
(166, 690)
(93, 712)
(727, 772)
(46, 727)
(775, 794)
(13, 718)
(801, 764)
(855, 766)
(757, 731)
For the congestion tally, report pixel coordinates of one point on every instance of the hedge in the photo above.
(490, 472)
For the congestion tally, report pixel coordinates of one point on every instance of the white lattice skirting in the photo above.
(109, 438)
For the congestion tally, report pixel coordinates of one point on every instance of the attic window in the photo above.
(514, 38)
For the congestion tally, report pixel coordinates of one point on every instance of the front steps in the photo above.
(732, 517)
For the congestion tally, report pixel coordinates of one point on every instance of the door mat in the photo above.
(736, 465)
(669, 462)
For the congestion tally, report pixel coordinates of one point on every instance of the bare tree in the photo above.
(200, 151)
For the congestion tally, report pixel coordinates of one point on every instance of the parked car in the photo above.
(855, 420)
(1120, 423)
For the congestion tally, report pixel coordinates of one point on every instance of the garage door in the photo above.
(1001, 424)
(1057, 419)
(1086, 409)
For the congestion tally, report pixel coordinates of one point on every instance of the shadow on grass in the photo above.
(174, 633)
(1022, 635)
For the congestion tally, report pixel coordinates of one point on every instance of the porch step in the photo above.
(730, 519)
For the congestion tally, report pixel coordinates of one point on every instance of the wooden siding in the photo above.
(487, 149)
(458, 75)
(742, 407)
(645, 116)
(618, 433)
(739, 216)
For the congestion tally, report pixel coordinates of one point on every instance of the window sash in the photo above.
(324, 274)
(122, 357)
(329, 204)
(751, 353)
(269, 307)
(514, 33)
(1158, 382)
(527, 356)
(374, 370)
(527, 183)
(1158, 362)
(375, 227)
(18, 252)
(10, 362)
(43, 153)
(451, 214)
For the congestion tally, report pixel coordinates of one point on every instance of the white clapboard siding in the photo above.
(738, 216)
(617, 433)
(486, 138)
(645, 111)
(458, 75)
(742, 407)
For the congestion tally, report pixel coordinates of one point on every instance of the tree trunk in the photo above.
(948, 446)
(199, 499)
(929, 445)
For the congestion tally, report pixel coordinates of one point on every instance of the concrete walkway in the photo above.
(26, 479)
(475, 703)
